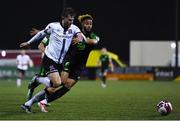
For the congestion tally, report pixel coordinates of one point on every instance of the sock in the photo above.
(44, 80)
(59, 93)
(29, 94)
(38, 97)
(44, 101)
(18, 82)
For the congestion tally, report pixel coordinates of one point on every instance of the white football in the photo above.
(164, 107)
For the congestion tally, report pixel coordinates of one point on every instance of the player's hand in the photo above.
(24, 45)
(33, 31)
(75, 40)
(91, 41)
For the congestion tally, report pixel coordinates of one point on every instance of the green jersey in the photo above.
(104, 58)
(77, 54)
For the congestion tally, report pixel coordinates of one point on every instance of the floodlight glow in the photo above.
(173, 45)
(3, 53)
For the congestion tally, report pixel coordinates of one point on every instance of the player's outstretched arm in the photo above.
(33, 31)
(24, 45)
(37, 37)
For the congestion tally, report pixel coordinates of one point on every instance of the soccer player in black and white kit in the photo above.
(23, 62)
(61, 34)
(75, 60)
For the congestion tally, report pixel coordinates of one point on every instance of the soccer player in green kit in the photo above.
(105, 62)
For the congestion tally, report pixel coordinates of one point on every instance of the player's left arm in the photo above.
(41, 47)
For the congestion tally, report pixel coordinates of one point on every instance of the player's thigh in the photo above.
(64, 76)
(104, 71)
(55, 78)
(52, 71)
(20, 73)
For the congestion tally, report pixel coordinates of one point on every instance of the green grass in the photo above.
(121, 100)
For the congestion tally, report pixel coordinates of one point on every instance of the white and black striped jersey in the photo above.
(59, 40)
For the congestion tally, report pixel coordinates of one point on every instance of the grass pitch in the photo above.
(87, 100)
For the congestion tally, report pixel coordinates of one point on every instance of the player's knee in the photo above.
(56, 84)
(70, 84)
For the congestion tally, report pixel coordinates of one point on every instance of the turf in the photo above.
(120, 100)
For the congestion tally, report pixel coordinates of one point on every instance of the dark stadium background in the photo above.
(116, 21)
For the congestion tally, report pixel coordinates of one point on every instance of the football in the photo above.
(164, 107)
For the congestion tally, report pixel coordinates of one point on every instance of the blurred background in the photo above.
(142, 34)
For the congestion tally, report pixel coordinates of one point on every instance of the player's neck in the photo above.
(85, 32)
(65, 27)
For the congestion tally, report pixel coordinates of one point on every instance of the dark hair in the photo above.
(68, 11)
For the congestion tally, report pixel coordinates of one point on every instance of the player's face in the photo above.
(67, 21)
(103, 50)
(87, 24)
(23, 52)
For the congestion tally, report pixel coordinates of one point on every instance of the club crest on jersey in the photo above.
(69, 31)
(51, 68)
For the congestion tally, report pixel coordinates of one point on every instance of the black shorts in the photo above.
(50, 66)
(73, 67)
(75, 73)
(21, 71)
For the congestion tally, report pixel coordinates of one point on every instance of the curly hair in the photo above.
(81, 18)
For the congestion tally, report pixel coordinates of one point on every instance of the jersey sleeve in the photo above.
(37, 37)
(48, 29)
(45, 41)
(76, 30)
(41, 34)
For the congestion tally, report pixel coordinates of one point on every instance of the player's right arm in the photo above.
(35, 38)
(41, 34)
